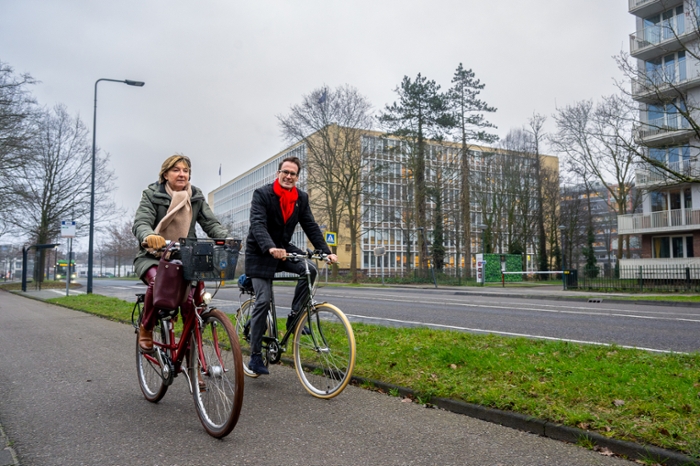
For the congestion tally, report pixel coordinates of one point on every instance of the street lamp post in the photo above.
(91, 240)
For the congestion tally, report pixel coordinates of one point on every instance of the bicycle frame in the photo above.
(176, 352)
(304, 309)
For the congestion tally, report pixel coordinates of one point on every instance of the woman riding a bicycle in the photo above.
(169, 210)
(275, 211)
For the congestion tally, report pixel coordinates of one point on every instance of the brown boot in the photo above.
(145, 339)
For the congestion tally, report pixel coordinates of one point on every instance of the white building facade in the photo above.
(668, 81)
(387, 196)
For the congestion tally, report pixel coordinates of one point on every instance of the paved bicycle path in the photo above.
(69, 395)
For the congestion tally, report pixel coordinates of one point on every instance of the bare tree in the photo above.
(535, 128)
(54, 183)
(120, 244)
(599, 144)
(330, 122)
(17, 111)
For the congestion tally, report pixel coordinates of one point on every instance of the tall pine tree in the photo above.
(470, 127)
(421, 113)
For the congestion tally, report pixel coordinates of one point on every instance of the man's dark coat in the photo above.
(268, 230)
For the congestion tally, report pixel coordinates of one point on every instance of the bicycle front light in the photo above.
(206, 297)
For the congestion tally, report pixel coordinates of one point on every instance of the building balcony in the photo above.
(652, 41)
(644, 8)
(652, 88)
(649, 176)
(678, 220)
(666, 130)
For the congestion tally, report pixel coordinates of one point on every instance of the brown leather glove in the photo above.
(155, 241)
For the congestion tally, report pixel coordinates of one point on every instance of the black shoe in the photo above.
(292, 322)
(256, 364)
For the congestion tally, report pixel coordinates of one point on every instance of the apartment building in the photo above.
(386, 195)
(666, 87)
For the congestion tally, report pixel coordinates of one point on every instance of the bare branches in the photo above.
(330, 123)
(54, 184)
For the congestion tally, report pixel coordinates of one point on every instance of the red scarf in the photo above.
(288, 198)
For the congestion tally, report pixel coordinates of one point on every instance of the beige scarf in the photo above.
(176, 223)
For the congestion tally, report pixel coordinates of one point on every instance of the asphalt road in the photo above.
(69, 396)
(492, 310)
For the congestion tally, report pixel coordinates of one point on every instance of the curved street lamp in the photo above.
(92, 185)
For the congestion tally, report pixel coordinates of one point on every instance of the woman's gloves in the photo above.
(155, 241)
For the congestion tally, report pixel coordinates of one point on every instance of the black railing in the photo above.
(645, 278)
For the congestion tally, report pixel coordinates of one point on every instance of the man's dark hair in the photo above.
(294, 160)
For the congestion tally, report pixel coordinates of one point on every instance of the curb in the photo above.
(8, 457)
(547, 429)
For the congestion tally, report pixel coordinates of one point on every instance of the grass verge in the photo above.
(620, 393)
(45, 285)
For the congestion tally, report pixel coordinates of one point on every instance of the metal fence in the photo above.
(667, 278)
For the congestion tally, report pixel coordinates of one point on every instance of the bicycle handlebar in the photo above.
(318, 255)
(225, 242)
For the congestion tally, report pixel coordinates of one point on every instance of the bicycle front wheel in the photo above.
(149, 371)
(325, 357)
(216, 374)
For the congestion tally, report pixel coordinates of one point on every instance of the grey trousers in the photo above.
(263, 297)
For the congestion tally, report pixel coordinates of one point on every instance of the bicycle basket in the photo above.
(209, 259)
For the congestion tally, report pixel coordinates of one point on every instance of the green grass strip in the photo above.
(621, 393)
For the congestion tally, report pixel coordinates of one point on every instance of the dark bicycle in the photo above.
(207, 352)
(322, 338)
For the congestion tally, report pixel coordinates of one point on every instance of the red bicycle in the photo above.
(207, 352)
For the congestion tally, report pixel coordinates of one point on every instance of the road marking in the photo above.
(511, 334)
(64, 293)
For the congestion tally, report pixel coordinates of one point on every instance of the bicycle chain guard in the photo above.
(167, 370)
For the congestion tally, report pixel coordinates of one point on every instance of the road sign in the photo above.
(67, 229)
(331, 238)
(380, 251)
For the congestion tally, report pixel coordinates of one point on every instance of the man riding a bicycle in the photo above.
(275, 211)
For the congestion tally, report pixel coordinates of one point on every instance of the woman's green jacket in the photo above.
(154, 206)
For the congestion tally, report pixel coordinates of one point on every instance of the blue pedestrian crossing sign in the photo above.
(331, 238)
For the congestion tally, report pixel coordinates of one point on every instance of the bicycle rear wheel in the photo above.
(216, 374)
(243, 322)
(149, 371)
(325, 357)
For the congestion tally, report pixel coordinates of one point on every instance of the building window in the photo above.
(658, 201)
(673, 247)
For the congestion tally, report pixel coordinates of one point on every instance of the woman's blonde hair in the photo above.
(170, 162)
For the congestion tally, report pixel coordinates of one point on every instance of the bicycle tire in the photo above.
(151, 380)
(218, 391)
(324, 358)
(243, 316)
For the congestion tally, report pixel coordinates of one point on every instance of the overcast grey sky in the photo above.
(218, 72)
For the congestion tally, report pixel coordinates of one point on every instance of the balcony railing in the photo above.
(637, 3)
(664, 79)
(653, 175)
(663, 33)
(668, 123)
(664, 220)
